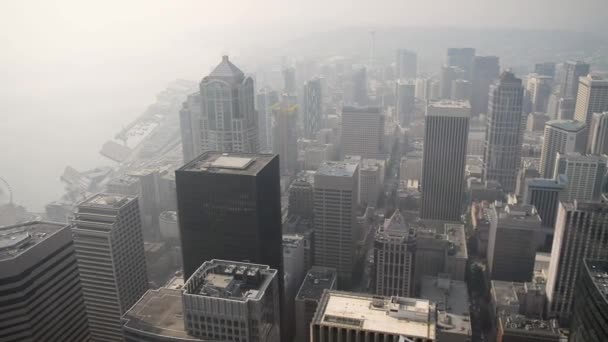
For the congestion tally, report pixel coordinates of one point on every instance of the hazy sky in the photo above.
(73, 72)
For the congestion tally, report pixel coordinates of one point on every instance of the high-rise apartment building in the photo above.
(504, 131)
(111, 261)
(561, 136)
(591, 303)
(345, 316)
(285, 136)
(598, 134)
(317, 280)
(448, 75)
(592, 98)
(312, 107)
(405, 98)
(362, 132)
(570, 74)
(581, 232)
(233, 301)
(394, 253)
(485, 70)
(461, 58)
(336, 191)
(407, 64)
(514, 234)
(41, 296)
(444, 159)
(221, 116)
(265, 99)
(585, 175)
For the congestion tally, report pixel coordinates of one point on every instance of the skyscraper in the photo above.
(407, 64)
(405, 98)
(485, 70)
(585, 175)
(285, 136)
(312, 110)
(461, 58)
(41, 295)
(362, 132)
(111, 261)
(359, 87)
(514, 234)
(447, 76)
(265, 99)
(335, 201)
(301, 199)
(289, 80)
(590, 307)
(592, 98)
(561, 136)
(539, 90)
(444, 159)
(545, 69)
(545, 195)
(461, 90)
(570, 74)
(316, 281)
(221, 116)
(504, 131)
(394, 253)
(581, 232)
(598, 134)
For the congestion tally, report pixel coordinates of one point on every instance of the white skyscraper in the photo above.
(584, 174)
(221, 116)
(110, 252)
(592, 98)
(598, 134)
(407, 64)
(561, 136)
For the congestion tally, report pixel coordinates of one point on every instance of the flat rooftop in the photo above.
(105, 201)
(548, 183)
(337, 169)
(18, 239)
(230, 280)
(519, 324)
(228, 163)
(452, 300)
(391, 315)
(158, 312)
(504, 293)
(567, 125)
(317, 280)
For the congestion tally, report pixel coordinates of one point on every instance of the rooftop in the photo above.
(228, 163)
(449, 104)
(317, 280)
(567, 125)
(514, 323)
(105, 201)
(230, 280)
(226, 70)
(361, 110)
(391, 315)
(18, 239)
(158, 312)
(452, 300)
(548, 183)
(598, 271)
(337, 169)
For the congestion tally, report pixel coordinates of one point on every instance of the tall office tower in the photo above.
(545, 195)
(394, 252)
(293, 260)
(362, 132)
(285, 136)
(289, 80)
(461, 58)
(545, 69)
(221, 116)
(447, 76)
(405, 96)
(313, 102)
(461, 90)
(514, 234)
(265, 99)
(371, 181)
(539, 90)
(111, 261)
(407, 64)
(359, 87)
(565, 108)
(570, 74)
(585, 175)
(485, 70)
(598, 134)
(335, 201)
(591, 303)
(316, 281)
(233, 301)
(592, 98)
(41, 295)
(581, 232)
(301, 199)
(504, 131)
(346, 316)
(561, 136)
(444, 159)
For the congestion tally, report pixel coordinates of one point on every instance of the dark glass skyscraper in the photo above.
(589, 323)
